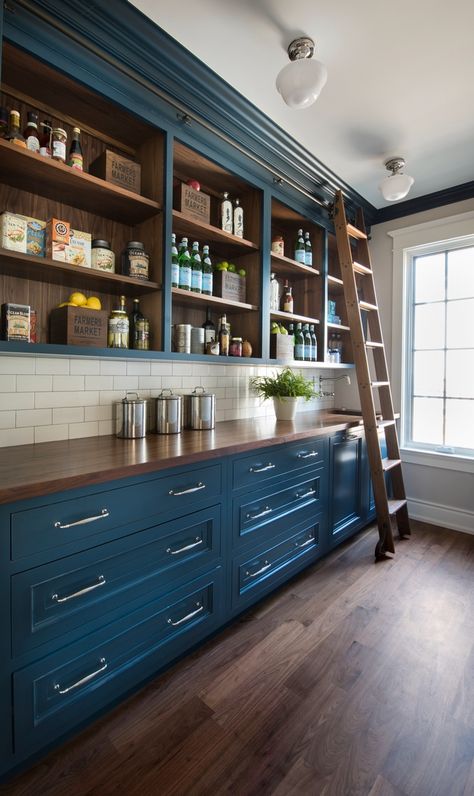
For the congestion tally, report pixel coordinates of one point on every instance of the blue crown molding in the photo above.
(457, 193)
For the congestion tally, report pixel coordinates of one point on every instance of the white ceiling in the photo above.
(400, 78)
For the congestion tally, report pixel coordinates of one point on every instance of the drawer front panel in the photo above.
(255, 518)
(54, 694)
(53, 599)
(80, 520)
(272, 462)
(254, 575)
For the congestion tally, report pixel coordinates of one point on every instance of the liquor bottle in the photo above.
(299, 343)
(308, 250)
(45, 138)
(118, 327)
(196, 269)
(184, 266)
(207, 275)
(139, 328)
(209, 328)
(31, 132)
(287, 298)
(226, 217)
(14, 134)
(238, 219)
(308, 346)
(174, 262)
(314, 343)
(3, 123)
(300, 253)
(75, 159)
(291, 330)
(224, 336)
(274, 293)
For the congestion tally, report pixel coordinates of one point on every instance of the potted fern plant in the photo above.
(285, 388)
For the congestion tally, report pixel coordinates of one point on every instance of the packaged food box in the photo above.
(13, 232)
(79, 249)
(57, 239)
(15, 322)
(35, 236)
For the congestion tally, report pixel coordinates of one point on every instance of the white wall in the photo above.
(438, 495)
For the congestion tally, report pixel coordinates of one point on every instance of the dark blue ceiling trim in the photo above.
(437, 199)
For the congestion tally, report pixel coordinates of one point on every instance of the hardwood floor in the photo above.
(356, 679)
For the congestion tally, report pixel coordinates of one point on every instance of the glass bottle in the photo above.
(238, 219)
(75, 159)
(45, 138)
(299, 343)
(274, 293)
(308, 250)
(207, 275)
(31, 132)
(118, 326)
(314, 343)
(139, 328)
(226, 216)
(339, 347)
(209, 328)
(184, 266)
(300, 253)
(287, 298)
(14, 134)
(308, 346)
(3, 122)
(291, 331)
(224, 336)
(174, 262)
(196, 269)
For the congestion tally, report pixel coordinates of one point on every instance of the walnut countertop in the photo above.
(28, 471)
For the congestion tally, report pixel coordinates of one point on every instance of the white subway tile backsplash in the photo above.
(68, 414)
(98, 412)
(149, 383)
(106, 427)
(7, 419)
(69, 383)
(110, 397)
(90, 429)
(16, 436)
(141, 368)
(8, 383)
(113, 367)
(34, 383)
(99, 383)
(161, 368)
(16, 365)
(51, 433)
(125, 383)
(15, 400)
(33, 417)
(85, 367)
(52, 365)
(45, 400)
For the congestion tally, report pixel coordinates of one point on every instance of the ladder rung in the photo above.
(385, 423)
(361, 269)
(373, 344)
(380, 383)
(356, 233)
(388, 464)
(395, 505)
(366, 305)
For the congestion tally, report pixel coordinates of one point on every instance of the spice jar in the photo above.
(102, 256)
(278, 245)
(58, 144)
(135, 260)
(235, 349)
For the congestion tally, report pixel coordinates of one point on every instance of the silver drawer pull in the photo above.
(263, 513)
(187, 617)
(266, 566)
(103, 514)
(83, 680)
(265, 467)
(351, 436)
(100, 582)
(309, 455)
(183, 549)
(304, 544)
(309, 493)
(196, 488)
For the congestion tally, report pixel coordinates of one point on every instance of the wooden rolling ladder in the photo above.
(360, 298)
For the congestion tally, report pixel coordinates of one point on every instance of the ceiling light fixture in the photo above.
(301, 81)
(396, 185)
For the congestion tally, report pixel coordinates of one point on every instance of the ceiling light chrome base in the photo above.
(395, 164)
(301, 48)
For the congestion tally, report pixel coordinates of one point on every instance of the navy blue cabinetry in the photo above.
(348, 489)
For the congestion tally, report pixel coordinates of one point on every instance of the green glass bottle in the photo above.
(299, 343)
(174, 262)
(314, 344)
(307, 343)
(308, 250)
(184, 266)
(300, 253)
(196, 269)
(207, 275)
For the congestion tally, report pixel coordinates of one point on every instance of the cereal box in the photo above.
(79, 249)
(13, 232)
(16, 322)
(57, 239)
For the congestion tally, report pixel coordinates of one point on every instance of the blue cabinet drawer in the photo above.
(53, 695)
(66, 595)
(255, 516)
(272, 462)
(255, 574)
(50, 527)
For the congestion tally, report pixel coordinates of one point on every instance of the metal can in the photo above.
(197, 340)
(131, 417)
(182, 338)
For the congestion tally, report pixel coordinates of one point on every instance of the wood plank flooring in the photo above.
(355, 679)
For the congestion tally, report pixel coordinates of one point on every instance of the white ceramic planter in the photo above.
(285, 408)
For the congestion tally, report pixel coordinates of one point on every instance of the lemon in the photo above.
(93, 303)
(78, 299)
(67, 304)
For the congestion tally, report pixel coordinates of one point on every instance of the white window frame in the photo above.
(407, 243)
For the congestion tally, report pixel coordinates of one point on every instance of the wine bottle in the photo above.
(209, 328)
(300, 253)
(308, 250)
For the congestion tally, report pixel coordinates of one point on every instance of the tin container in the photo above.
(131, 417)
(197, 340)
(168, 413)
(199, 410)
(182, 338)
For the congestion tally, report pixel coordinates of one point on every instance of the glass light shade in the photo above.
(300, 82)
(396, 186)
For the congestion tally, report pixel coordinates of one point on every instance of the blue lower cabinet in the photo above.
(347, 485)
(65, 688)
(266, 464)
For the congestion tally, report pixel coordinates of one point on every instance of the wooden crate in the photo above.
(193, 204)
(118, 170)
(282, 347)
(230, 286)
(78, 326)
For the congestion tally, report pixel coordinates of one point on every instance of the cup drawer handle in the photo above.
(187, 617)
(263, 469)
(263, 513)
(186, 547)
(309, 455)
(266, 566)
(83, 680)
(180, 492)
(103, 514)
(101, 581)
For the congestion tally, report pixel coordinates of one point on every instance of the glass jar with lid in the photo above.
(235, 348)
(135, 260)
(102, 256)
(58, 144)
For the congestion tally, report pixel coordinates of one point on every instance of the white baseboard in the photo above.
(445, 516)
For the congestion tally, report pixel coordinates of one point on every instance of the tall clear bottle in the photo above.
(174, 262)
(287, 298)
(224, 336)
(238, 219)
(300, 252)
(196, 269)
(274, 293)
(226, 217)
(207, 274)
(118, 326)
(184, 266)
(308, 250)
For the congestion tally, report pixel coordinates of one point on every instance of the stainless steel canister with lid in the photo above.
(168, 412)
(199, 409)
(131, 417)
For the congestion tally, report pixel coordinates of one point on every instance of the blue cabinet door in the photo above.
(348, 501)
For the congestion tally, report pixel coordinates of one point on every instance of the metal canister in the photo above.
(131, 417)
(182, 338)
(199, 410)
(168, 412)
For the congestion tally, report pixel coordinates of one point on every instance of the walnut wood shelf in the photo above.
(29, 171)
(291, 316)
(54, 272)
(339, 326)
(208, 234)
(188, 298)
(285, 265)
